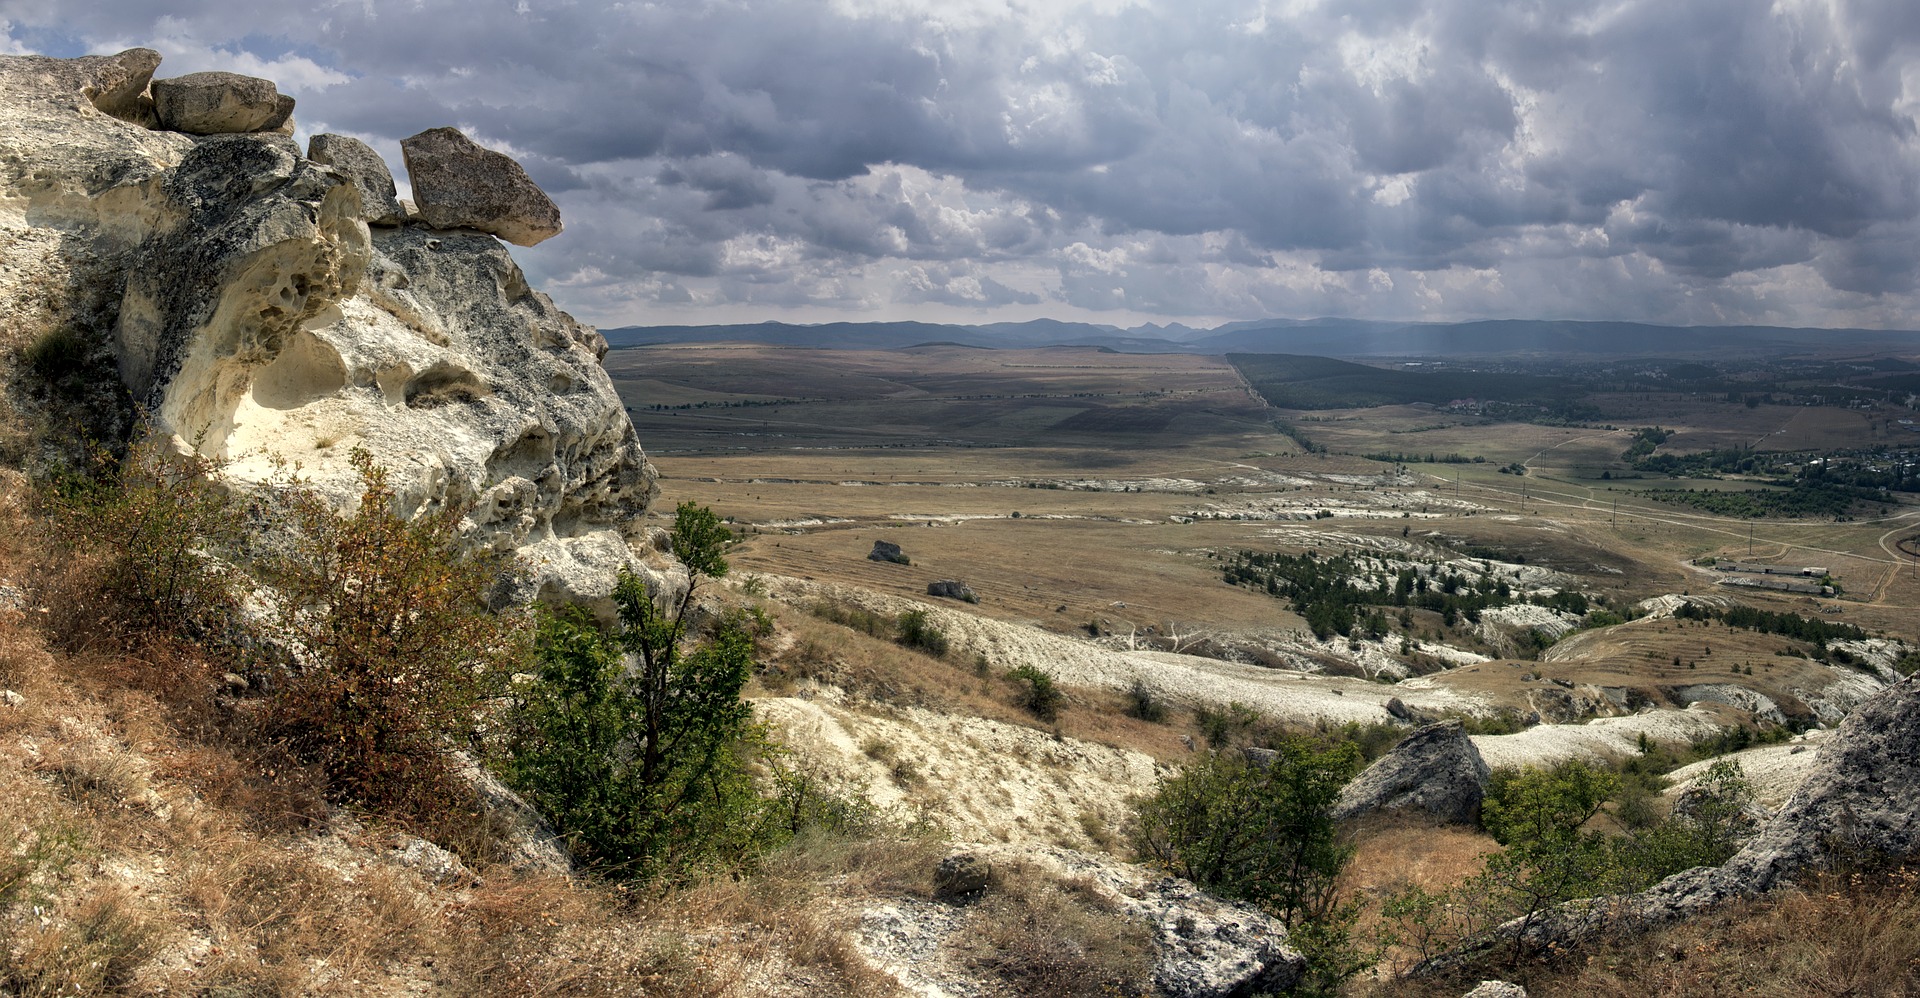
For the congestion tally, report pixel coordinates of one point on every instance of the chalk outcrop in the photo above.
(257, 319)
(1435, 771)
(458, 184)
(216, 103)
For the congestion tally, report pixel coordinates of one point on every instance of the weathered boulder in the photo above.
(460, 185)
(1496, 989)
(1436, 771)
(952, 589)
(119, 84)
(888, 551)
(961, 874)
(529, 844)
(216, 103)
(366, 171)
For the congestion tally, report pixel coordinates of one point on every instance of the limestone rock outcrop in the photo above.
(216, 103)
(257, 319)
(366, 171)
(1436, 771)
(458, 184)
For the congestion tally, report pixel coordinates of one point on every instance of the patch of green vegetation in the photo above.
(1792, 625)
(1035, 692)
(1799, 500)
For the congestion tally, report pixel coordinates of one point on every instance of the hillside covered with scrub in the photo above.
(350, 643)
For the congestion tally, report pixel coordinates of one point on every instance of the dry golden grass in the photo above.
(1853, 934)
(1044, 936)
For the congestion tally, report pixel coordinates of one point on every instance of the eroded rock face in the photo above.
(1435, 771)
(216, 103)
(366, 171)
(257, 319)
(458, 184)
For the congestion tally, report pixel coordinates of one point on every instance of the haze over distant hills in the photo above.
(1326, 337)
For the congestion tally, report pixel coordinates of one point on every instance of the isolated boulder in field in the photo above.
(952, 589)
(888, 551)
(119, 84)
(1436, 771)
(216, 103)
(359, 165)
(460, 185)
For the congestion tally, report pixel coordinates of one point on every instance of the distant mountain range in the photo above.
(1323, 337)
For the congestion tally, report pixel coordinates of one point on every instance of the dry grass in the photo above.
(1839, 934)
(1044, 936)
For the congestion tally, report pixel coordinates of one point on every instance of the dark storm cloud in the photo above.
(1750, 159)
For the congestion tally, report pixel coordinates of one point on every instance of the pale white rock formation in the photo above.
(366, 171)
(216, 103)
(459, 184)
(258, 320)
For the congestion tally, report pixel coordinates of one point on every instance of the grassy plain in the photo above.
(1073, 486)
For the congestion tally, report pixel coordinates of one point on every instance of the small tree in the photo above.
(636, 742)
(1260, 832)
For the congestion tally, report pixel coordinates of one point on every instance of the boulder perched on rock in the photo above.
(888, 551)
(952, 589)
(1435, 771)
(356, 161)
(216, 103)
(460, 185)
(119, 84)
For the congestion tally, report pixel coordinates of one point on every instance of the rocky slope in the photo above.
(261, 313)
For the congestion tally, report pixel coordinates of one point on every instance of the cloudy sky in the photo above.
(1680, 161)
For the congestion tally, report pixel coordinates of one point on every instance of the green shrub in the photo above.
(1035, 693)
(1144, 705)
(391, 619)
(918, 632)
(636, 743)
(1262, 832)
(856, 617)
(58, 354)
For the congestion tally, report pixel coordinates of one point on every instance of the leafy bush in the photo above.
(390, 616)
(917, 631)
(1035, 693)
(143, 526)
(1144, 705)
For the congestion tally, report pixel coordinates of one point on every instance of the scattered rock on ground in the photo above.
(888, 551)
(12, 699)
(1436, 770)
(961, 874)
(1496, 989)
(433, 862)
(952, 589)
(460, 185)
(365, 170)
(217, 103)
